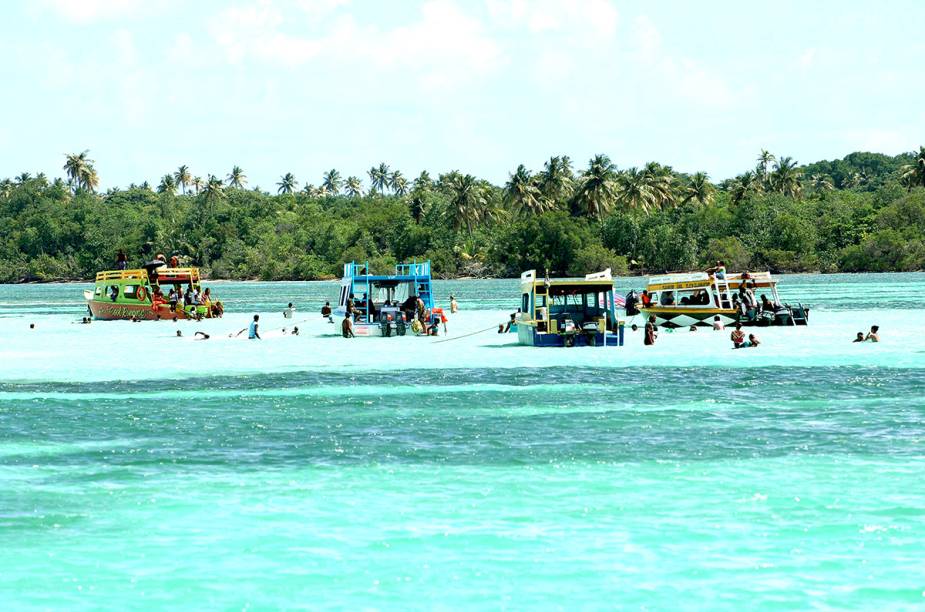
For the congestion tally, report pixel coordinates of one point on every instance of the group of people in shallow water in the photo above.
(738, 337)
(423, 321)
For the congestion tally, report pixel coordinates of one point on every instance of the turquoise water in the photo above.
(141, 470)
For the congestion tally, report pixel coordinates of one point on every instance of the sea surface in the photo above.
(139, 470)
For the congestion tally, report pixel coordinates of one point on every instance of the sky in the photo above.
(479, 86)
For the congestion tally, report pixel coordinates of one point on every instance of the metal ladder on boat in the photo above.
(721, 287)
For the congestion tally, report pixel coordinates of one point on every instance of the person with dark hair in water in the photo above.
(651, 331)
(346, 327)
(326, 312)
(859, 337)
(874, 335)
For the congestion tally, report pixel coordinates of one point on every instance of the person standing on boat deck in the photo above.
(454, 305)
(121, 260)
(252, 331)
(288, 310)
(651, 331)
(346, 327)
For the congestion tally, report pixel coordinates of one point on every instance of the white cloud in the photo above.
(581, 19)
(679, 76)
(88, 11)
(879, 141)
(807, 58)
(444, 45)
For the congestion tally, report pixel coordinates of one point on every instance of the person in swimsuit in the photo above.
(737, 336)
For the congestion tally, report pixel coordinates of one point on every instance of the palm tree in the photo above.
(214, 191)
(698, 190)
(821, 184)
(765, 159)
(913, 175)
(522, 194)
(659, 181)
(423, 182)
(332, 181)
(379, 177)
(557, 182)
(89, 179)
(236, 178)
(197, 183)
(786, 177)
(167, 184)
(744, 185)
(75, 165)
(597, 187)
(287, 184)
(6, 188)
(467, 200)
(634, 191)
(399, 183)
(353, 187)
(23, 178)
(183, 177)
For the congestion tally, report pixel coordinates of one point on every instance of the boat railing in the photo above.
(178, 275)
(413, 269)
(111, 275)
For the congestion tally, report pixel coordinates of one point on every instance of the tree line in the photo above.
(865, 212)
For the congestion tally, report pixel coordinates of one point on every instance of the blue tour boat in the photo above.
(385, 304)
(568, 312)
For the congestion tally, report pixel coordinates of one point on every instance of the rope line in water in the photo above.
(481, 331)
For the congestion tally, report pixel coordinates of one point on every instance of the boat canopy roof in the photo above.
(404, 272)
(164, 275)
(598, 281)
(702, 280)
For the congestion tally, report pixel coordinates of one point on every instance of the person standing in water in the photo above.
(288, 311)
(252, 332)
(874, 334)
(326, 312)
(346, 327)
(651, 332)
(454, 305)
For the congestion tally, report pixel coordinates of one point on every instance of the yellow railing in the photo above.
(110, 275)
(163, 274)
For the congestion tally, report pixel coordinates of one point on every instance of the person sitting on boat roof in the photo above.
(121, 260)
(718, 271)
(174, 262)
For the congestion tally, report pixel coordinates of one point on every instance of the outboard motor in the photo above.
(632, 298)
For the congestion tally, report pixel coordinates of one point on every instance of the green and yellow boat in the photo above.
(151, 293)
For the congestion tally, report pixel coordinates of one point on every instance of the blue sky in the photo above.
(476, 85)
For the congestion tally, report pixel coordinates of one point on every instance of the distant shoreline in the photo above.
(72, 281)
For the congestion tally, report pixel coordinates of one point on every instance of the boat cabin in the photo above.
(568, 312)
(700, 298)
(144, 294)
(384, 303)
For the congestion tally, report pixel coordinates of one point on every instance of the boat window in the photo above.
(99, 290)
(129, 290)
(525, 302)
(692, 297)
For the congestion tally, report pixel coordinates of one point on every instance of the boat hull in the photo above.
(673, 318)
(528, 336)
(114, 311)
(374, 330)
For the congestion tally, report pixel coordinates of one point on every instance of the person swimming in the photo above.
(874, 334)
(859, 337)
(200, 335)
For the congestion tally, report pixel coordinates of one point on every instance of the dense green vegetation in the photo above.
(865, 212)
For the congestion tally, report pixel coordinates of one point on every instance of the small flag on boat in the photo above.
(619, 300)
